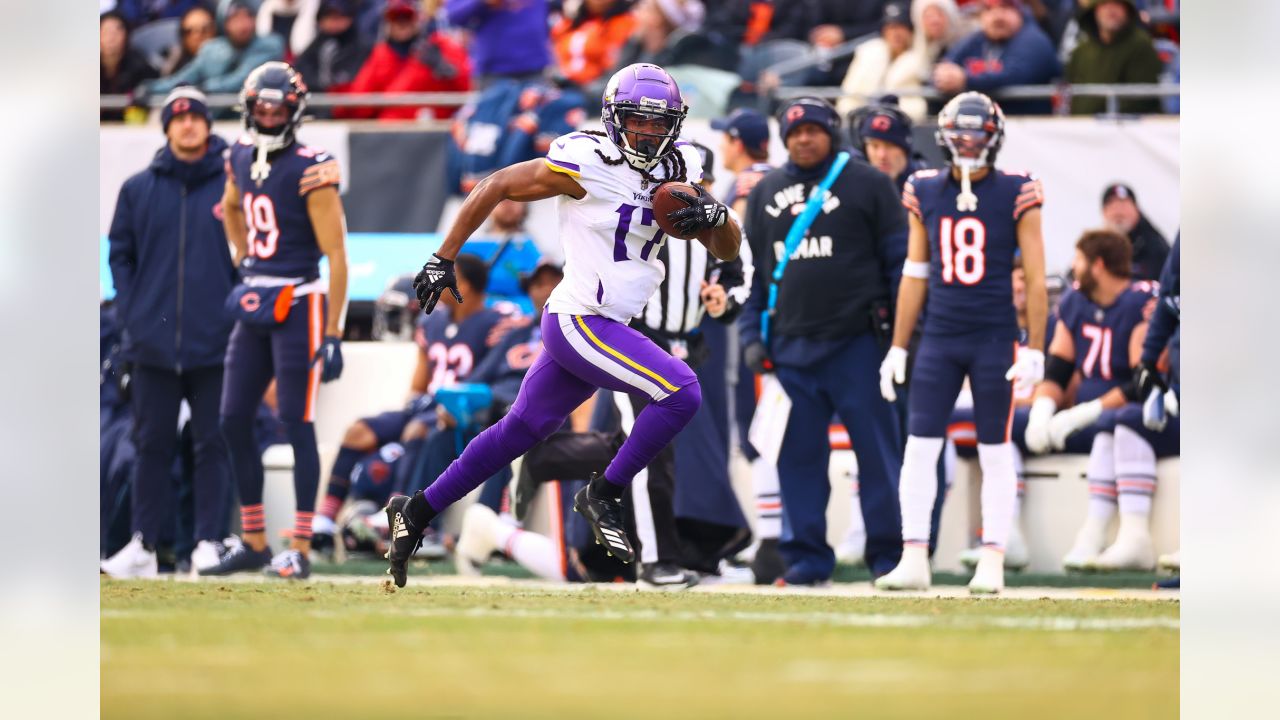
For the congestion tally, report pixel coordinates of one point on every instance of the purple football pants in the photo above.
(580, 353)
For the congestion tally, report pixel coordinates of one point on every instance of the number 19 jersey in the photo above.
(610, 239)
(282, 242)
(971, 252)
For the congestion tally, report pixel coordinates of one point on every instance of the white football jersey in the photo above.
(610, 239)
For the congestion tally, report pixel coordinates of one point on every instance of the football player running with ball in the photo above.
(605, 183)
(967, 224)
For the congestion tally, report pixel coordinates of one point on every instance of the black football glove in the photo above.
(329, 353)
(1146, 378)
(756, 358)
(704, 212)
(431, 282)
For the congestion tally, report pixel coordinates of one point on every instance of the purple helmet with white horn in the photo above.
(650, 97)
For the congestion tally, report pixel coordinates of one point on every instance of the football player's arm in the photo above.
(1164, 320)
(723, 242)
(421, 374)
(749, 320)
(524, 182)
(1051, 394)
(324, 207)
(233, 220)
(913, 288)
(1137, 341)
(1031, 243)
(1061, 350)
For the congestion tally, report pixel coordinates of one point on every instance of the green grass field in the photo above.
(320, 650)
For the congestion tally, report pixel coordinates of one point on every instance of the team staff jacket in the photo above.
(849, 260)
(170, 262)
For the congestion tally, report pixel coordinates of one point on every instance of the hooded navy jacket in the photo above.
(170, 262)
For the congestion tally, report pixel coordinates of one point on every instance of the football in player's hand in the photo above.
(665, 203)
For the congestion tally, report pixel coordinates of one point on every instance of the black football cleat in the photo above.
(768, 566)
(239, 558)
(605, 517)
(667, 576)
(404, 540)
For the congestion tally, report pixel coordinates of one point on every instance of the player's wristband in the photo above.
(1058, 371)
(915, 269)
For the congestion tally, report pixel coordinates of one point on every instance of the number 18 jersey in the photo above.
(971, 252)
(610, 239)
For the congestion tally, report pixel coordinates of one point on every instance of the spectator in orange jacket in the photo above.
(411, 58)
(587, 44)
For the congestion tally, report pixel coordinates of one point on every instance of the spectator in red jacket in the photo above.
(410, 58)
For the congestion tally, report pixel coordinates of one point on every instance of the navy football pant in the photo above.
(940, 369)
(845, 384)
(255, 355)
(157, 395)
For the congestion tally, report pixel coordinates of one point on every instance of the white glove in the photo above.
(1158, 408)
(1154, 413)
(1027, 370)
(893, 370)
(1037, 434)
(1072, 420)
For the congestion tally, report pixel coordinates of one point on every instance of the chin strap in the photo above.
(966, 201)
(261, 168)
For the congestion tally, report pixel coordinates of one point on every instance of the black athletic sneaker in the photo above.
(768, 565)
(290, 565)
(667, 575)
(404, 540)
(239, 558)
(605, 517)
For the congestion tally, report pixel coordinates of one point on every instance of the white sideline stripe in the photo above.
(830, 619)
(867, 620)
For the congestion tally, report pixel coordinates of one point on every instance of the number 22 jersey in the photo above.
(971, 252)
(282, 242)
(610, 239)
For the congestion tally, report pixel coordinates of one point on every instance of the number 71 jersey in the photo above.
(610, 239)
(282, 242)
(971, 252)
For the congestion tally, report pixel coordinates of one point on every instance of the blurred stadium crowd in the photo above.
(472, 356)
(734, 50)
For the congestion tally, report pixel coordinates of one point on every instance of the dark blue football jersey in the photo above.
(1101, 336)
(281, 240)
(505, 367)
(971, 252)
(454, 349)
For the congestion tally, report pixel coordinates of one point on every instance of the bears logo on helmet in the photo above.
(970, 130)
(273, 84)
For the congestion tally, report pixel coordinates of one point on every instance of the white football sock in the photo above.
(918, 486)
(537, 553)
(999, 492)
(1135, 472)
(1101, 474)
(764, 481)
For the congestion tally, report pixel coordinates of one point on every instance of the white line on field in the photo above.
(867, 620)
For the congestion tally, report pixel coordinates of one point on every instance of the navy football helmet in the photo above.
(273, 85)
(970, 130)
